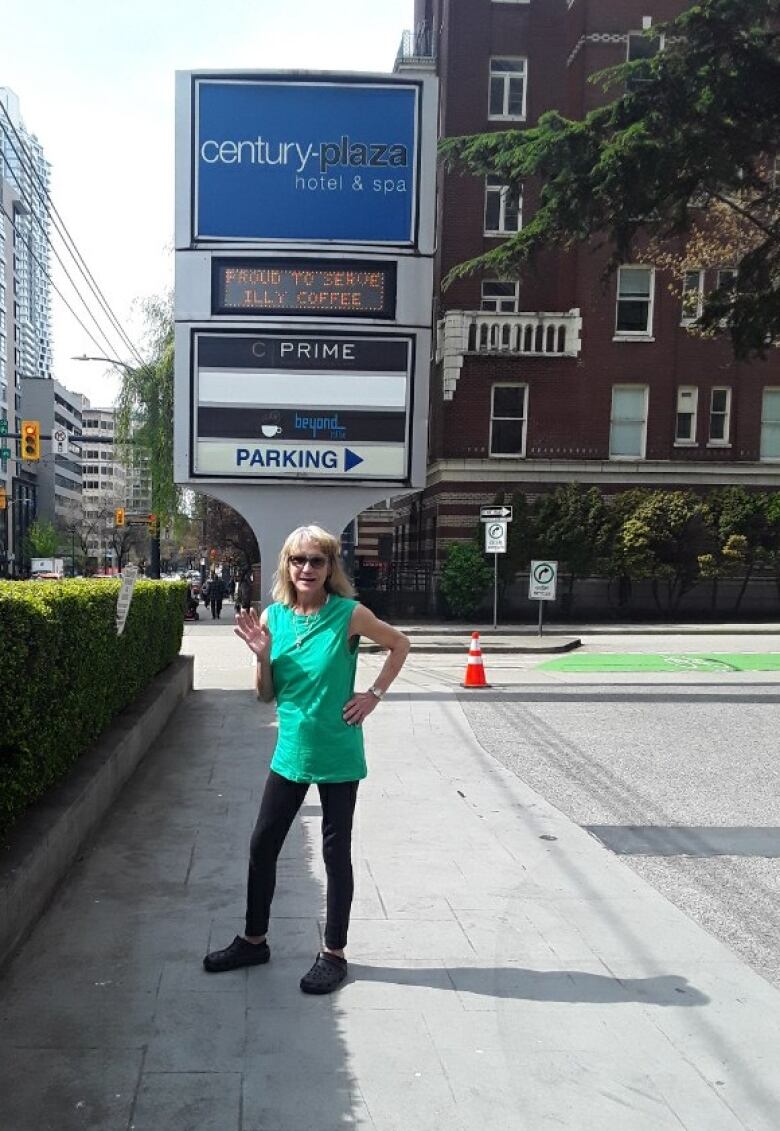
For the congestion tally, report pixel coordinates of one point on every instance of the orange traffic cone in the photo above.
(475, 672)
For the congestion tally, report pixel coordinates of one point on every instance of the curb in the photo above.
(526, 645)
(46, 840)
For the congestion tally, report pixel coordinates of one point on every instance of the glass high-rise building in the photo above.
(26, 172)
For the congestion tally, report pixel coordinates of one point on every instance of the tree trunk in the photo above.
(745, 580)
(714, 597)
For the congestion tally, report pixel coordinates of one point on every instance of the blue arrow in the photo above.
(351, 459)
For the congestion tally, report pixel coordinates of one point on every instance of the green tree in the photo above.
(685, 152)
(738, 520)
(770, 552)
(465, 578)
(145, 411)
(572, 527)
(663, 541)
(42, 539)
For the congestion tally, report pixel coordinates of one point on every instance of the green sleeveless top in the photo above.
(313, 668)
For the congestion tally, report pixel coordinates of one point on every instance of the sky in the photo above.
(95, 80)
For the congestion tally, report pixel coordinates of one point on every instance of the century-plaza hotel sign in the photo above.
(304, 276)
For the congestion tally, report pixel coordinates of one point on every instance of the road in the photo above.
(630, 751)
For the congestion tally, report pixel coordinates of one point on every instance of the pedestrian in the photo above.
(244, 593)
(306, 644)
(216, 592)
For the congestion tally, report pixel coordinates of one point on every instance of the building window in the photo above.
(507, 88)
(508, 420)
(770, 424)
(720, 416)
(628, 424)
(685, 425)
(692, 296)
(500, 298)
(635, 301)
(503, 207)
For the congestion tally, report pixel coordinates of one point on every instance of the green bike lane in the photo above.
(710, 661)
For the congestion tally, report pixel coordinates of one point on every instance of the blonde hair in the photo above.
(336, 582)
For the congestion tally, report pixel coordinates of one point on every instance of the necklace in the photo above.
(311, 622)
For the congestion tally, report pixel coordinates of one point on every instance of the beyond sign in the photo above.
(305, 161)
(301, 405)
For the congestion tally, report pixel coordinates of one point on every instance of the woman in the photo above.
(306, 645)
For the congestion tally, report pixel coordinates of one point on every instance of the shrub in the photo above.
(66, 673)
(465, 578)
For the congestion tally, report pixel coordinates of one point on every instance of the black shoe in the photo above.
(239, 953)
(326, 975)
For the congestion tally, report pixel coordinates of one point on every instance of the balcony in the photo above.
(416, 49)
(463, 332)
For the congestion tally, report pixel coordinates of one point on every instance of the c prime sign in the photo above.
(304, 160)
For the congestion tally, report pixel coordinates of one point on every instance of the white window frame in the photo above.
(686, 441)
(499, 299)
(764, 421)
(524, 418)
(635, 335)
(689, 319)
(612, 420)
(725, 442)
(502, 191)
(507, 77)
(511, 1)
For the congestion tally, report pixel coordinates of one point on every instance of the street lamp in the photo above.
(154, 536)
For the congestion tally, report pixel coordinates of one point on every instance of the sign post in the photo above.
(305, 242)
(542, 581)
(496, 520)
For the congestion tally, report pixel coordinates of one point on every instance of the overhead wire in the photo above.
(44, 196)
(23, 236)
(61, 228)
(107, 345)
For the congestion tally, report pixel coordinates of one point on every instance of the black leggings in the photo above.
(281, 801)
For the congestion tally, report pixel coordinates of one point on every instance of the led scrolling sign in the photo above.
(324, 288)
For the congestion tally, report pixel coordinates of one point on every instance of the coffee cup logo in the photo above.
(270, 430)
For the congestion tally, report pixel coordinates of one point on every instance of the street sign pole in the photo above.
(542, 584)
(495, 544)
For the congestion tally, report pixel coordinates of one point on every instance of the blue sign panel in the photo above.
(305, 161)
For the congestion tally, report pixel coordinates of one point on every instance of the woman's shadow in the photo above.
(523, 984)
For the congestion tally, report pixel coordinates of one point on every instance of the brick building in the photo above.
(561, 377)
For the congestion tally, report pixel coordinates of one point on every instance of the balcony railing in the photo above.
(416, 46)
(463, 332)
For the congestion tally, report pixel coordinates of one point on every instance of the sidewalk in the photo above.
(507, 972)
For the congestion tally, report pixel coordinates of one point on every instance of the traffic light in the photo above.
(154, 528)
(31, 439)
(3, 499)
(119, 516)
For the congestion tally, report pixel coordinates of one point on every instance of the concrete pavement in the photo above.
(507, 971)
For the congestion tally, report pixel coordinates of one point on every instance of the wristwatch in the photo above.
(376, 692)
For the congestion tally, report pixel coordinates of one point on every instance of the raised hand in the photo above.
(255, 635)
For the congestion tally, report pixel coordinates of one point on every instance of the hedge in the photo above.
(66, 674)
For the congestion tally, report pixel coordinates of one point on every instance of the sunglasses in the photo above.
(316, 561)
